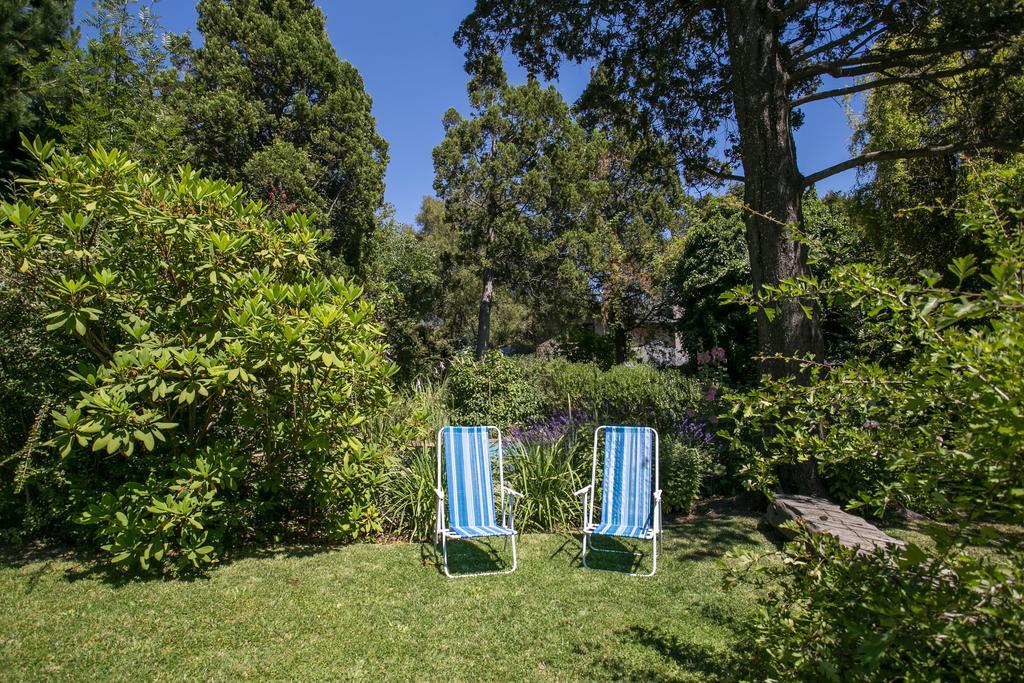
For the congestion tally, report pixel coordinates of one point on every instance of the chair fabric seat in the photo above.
(626, 530)
(481, 531)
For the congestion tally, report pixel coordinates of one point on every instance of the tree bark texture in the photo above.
(483, 327)
(773, 191)
(621, 345)
(773, 186)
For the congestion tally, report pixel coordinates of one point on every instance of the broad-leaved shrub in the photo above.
(229, 380)
(493, 391)
(941, 434)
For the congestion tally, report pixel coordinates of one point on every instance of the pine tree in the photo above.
(507, 175)
(29, 30)
(268, 102)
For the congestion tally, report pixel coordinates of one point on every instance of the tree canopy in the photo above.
(749, 65)
(108, 89)
(29, 30)
(268, 102)
(506, 176)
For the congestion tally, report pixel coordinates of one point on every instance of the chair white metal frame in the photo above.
(626, 510)
(463, 458)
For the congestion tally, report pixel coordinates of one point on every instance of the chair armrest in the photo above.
(440, 493)
(584, 490)
(512, 492)
(657, 495)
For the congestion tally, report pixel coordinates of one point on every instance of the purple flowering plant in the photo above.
(558, 425)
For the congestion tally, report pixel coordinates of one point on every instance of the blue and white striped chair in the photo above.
(630, 497)
(470, 486)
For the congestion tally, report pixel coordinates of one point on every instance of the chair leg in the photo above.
(515, 560)
(654, 556)
(444, 550)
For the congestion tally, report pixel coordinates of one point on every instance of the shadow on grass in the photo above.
(571, 547)
(100, 569)
(614, 554)
(699, 661)
(90, 565)
(15, 556)
(711, 538)
(471, 555)
(83, 564)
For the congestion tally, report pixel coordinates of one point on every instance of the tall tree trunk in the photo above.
(773, 189)
(621, 345)
(483, 327)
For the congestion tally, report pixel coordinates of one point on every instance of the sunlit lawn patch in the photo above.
(372, 611)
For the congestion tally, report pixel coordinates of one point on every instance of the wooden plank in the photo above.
(825, 517)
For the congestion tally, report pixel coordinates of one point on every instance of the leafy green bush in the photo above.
(229, 382)
(683, 469)
(493, 391)
(840, 616)
(511, 392)
(33, 378)
(627, 394)
(583, 345)
(940, 434)
(714, 259)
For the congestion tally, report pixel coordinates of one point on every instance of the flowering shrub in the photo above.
(562, 424)
(694, 432)
(230, 382)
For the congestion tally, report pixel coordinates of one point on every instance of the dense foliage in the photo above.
(227, 380)
(110, 86)
(940, 433)
(506, 175)
(684, 467)
(622, 394)
(712, 260)
(493, 391)
(268, 102)
(29, 31)
(548, 474)
(842, 616)
(685, 70)
(905, 206)
(632, 201)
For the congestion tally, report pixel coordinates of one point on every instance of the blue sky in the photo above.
(413, 71)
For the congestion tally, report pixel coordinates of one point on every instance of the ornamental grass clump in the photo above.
(229, 380)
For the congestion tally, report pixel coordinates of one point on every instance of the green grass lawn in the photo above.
(385, 611)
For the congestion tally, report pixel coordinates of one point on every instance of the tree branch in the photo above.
(832, 44)
(878, 61)
(880, 82)
(721, 175)
(913, 153)
(795, 7)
